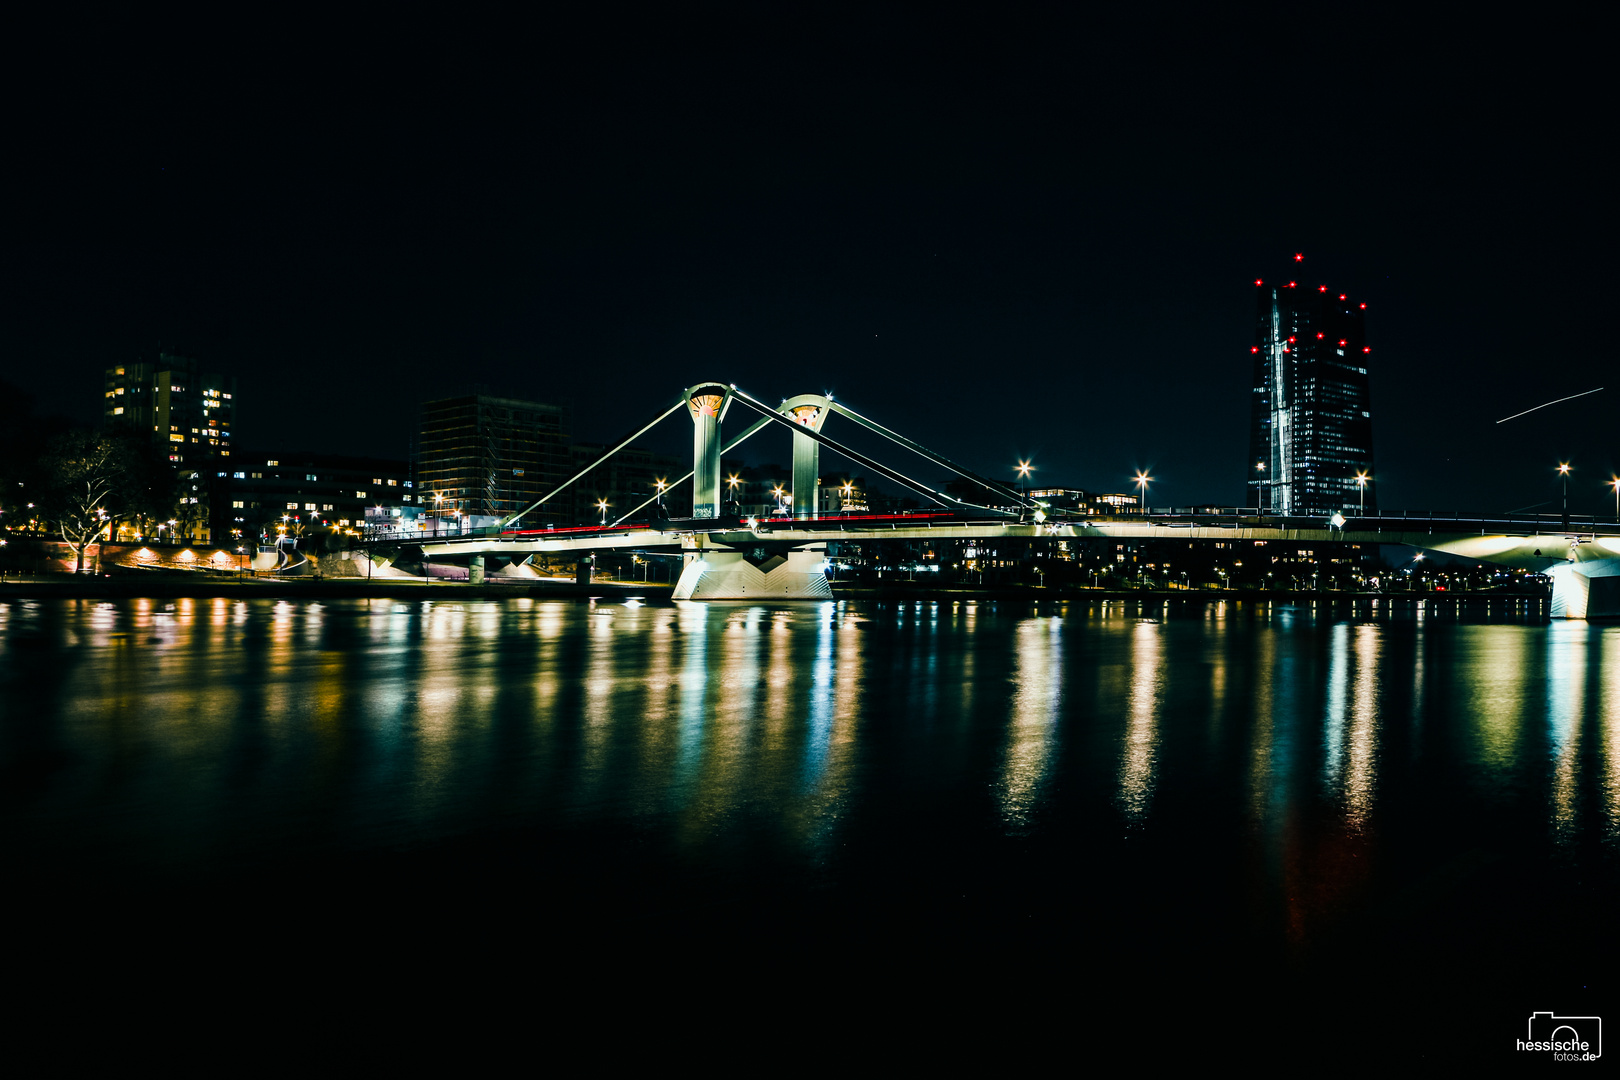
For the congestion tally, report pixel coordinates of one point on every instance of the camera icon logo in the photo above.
(1578, 1037)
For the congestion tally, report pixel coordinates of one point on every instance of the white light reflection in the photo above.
(1566, 694)
(1608, 709)
(694, 686)
(1350, 730)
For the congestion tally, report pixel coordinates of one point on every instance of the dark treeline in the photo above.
(61, 479)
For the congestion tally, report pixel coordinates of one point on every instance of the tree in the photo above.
(149, 487)
(84, 472)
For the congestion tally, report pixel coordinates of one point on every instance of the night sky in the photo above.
(1008, 233)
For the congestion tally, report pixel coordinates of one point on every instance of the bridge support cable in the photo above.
(917, 448)
(860, 458)
(755, 428)
(680, 403)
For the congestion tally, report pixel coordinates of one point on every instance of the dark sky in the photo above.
(1019, 233)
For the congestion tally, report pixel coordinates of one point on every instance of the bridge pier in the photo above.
(712, 574)
(1588, 589)
(475, 571)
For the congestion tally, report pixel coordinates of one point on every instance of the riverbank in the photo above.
(57, 587)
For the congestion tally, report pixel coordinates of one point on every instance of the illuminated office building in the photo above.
(1310, 427)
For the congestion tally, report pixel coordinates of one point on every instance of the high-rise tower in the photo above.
(1310, 425)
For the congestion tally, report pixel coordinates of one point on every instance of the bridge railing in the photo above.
(1383, 521)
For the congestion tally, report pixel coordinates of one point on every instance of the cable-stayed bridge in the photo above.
(728, 557)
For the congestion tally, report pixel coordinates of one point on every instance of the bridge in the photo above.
(729, 557)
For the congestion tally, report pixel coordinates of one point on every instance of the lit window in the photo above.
(119, 411)
(359, 494)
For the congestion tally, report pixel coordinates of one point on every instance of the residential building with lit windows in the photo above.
(302, 491)
(1310, 420)
(186, 409)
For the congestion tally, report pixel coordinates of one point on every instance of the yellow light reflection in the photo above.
(1141, 750)
(1036, 707)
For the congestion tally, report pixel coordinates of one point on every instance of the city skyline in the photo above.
(875, 217)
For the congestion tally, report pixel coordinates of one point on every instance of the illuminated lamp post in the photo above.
(1142, 482)
(848, 489)
(661, 487)
(602, 505)
(1563, 473)
(1615, 483)
(1361, 484)
(778, 491)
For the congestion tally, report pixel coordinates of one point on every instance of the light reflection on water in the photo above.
(167, 734)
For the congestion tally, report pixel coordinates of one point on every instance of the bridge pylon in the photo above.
(810, 411)
(707, 403)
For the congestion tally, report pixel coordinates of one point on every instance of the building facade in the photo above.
(1310, 421)
(299, 491)
(186, 409)
(492, 456)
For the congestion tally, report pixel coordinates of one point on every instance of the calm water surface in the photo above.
(1358, 796)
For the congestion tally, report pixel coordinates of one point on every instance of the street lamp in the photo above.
(1142, 482)
(1615, 483)
(602, 505)
(661, 487)
(1563, 472)
(1361, 483)
(778, 491)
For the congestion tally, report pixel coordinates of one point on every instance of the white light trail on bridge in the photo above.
(1527, 412)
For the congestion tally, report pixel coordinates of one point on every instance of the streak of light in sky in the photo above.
(1555, 401)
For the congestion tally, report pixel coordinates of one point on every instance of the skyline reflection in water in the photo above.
(1278, 772)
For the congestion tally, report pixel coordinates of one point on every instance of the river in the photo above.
(1213, 806)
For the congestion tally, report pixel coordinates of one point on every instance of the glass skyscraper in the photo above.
(1310, 425)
